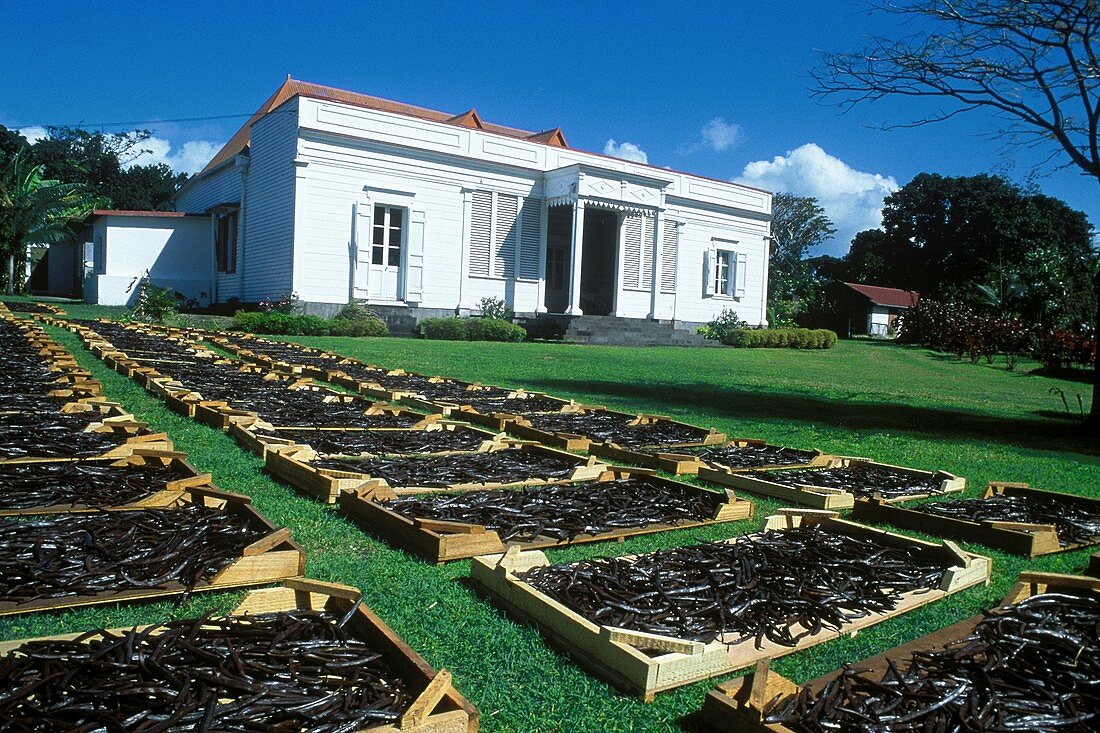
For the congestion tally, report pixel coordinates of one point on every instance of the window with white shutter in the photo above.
(639, 241)
(530, 236)
(505, 222)
(481, 232)
(504, 238)
(632, 252)
(669, 244)
(649, 246)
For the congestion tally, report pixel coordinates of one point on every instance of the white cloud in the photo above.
(626, 151)
(851, 198)
(191, 157)
(34, 133)
(721, 135)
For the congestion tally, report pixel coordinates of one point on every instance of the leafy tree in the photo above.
(103, 162)
(946, 236)
(798, 225)
(11, 142)
(1031, 65)
(35, 210)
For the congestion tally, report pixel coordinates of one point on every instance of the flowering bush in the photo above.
(960, 330)
(285, 303)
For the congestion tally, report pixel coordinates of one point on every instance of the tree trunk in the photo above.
(1092, 423)
(10, 289)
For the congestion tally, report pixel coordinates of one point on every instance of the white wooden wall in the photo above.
(311, 172)
(266, 227)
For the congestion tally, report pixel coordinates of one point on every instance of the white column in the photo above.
(540, 307)
(574, 308)
(658, 240)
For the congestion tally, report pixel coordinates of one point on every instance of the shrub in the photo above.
(496, 309)
(154, 304)
(494, 329)
(720, 327)
(446, 329)
(282, 324)
(779, 338)
(357, 320)
(357, 327)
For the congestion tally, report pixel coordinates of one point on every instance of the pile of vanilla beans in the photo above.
(1076, 520)
(88, 554)
(362, 441)
(751, 455)
(85, 484)
(247, 389)
(563, 512)
(508, 466)
(1032, 666)
(289, 671)
(618, 428)
(860, 481)
(780, 585)
(31, 425)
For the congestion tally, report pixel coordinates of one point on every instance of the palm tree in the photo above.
(36, 210)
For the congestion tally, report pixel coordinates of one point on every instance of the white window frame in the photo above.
(387, 231)
(735, 267)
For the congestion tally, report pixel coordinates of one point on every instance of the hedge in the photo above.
(780, 338)
(471, 329)
(290, 324)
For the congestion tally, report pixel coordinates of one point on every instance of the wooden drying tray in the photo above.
(465, 411)
(168, 496)
(1016, 538)
(272, 557)
(260, 444)
(737, 706)
(616, 655)
(248, 420)
(523, 428)
(121, 425)
(442, 541)
(437, 707)
(824, 497)
(292, 466)
(688, 464)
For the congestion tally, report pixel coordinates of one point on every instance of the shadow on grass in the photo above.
(1029, 432)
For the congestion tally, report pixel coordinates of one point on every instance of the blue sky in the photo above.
(716, 88)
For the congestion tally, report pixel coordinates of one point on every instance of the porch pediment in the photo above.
(605, 188)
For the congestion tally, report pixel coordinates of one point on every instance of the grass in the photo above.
(895, 404)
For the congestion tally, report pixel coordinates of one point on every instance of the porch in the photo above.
(609, 248)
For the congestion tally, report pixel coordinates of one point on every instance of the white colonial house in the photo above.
(334, 195)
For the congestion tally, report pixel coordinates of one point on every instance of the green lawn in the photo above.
(894, 404)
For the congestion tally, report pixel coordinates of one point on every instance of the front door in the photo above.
(559, 235)
(387, 240)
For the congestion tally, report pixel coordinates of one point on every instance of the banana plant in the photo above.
(36, 210)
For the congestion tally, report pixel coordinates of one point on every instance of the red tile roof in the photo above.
(293, 88)
(127, 212)
(893, 297)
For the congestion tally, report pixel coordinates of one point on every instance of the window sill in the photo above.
(505, 279)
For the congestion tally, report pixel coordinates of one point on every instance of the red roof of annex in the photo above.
(894, 297)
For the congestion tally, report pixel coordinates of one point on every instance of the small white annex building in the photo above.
(334, 195)
(118, 248)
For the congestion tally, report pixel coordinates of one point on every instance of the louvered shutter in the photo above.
(414, 258)
(632, 252)
(649, 244)
(530, 235)
(506, 235)
(738, 277)
(363, 215)
(669, 243)
(481, 232)
(709, 264)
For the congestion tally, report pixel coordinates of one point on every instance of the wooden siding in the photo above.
(268, 218)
